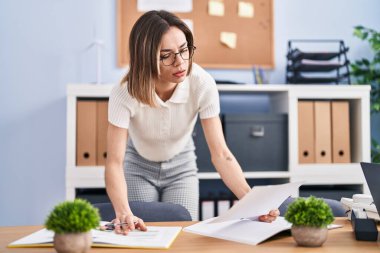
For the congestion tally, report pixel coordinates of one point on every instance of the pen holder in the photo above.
(364, 229)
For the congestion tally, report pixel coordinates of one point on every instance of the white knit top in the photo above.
(160, 133)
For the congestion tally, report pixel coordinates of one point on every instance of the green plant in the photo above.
(367, 71)
(73, 217)
(375, 151)
(312, 212)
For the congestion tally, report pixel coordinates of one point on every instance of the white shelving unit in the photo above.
(283, 99)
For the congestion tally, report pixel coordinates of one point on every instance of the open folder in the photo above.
(240, 223)
(155, 238)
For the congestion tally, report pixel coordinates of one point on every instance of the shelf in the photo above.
(315, 92)
(296, 55)
(321, 63)
(85, 172)
(332, 166)
(96, 172)
(104, 90)
(336, 173)
(282, 99)
(269, 174)
(303, 66)
(300, 79)
(89, 90)
(253, 88)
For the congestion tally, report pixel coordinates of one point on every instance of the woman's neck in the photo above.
(165, 91)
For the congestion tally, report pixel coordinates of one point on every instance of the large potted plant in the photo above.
(71, 222)
(309, 218)
(367, 71)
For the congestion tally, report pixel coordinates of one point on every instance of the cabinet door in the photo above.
(259, 142)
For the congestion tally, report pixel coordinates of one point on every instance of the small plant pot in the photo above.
(73, 242)
(309, 236)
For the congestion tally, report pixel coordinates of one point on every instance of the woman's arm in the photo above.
(226, 164)
(222, 158)
(115, 181)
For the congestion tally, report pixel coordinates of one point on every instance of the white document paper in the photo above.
(244, 231)
(240, 223)
(167, 5)
(155, 238)
(258, 201)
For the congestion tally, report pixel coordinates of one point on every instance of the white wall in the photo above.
(43, 47)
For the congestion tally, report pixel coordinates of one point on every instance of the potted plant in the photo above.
(309, 218)
(367, 71)
(71, 221)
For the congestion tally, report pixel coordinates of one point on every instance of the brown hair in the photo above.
(144, 42)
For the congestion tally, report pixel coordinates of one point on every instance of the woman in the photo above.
(155, 109)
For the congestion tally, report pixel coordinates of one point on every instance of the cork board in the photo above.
(254, 45)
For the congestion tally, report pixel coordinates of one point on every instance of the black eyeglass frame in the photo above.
(191, 54)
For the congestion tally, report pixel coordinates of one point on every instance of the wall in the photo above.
(45, 45)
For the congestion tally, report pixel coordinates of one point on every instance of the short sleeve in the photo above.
(119, 107)
(209, 105)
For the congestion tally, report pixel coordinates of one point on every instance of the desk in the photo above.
(339, 240)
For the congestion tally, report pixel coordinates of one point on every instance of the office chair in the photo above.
(148, 211)
(336, 207)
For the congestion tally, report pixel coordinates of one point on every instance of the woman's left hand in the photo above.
(271, 216)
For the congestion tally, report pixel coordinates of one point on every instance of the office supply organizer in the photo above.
(319, 66)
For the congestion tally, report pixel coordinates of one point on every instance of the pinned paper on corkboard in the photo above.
(216, 8)
(246, 10)
(229, 39)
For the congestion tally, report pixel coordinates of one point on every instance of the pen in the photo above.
(111, 226)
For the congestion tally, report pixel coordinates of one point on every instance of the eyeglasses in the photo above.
(185, 53)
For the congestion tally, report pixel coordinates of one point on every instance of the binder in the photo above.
(101, 132)
(322, 117)
(207, 209)
(86, 133)
(340, 115)
(306, 150)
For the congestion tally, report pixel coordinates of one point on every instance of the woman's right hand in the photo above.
(128, 222)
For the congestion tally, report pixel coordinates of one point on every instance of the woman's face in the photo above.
(173, 68)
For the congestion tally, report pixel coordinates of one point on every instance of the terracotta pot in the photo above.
(309, 236)
(73, 242)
